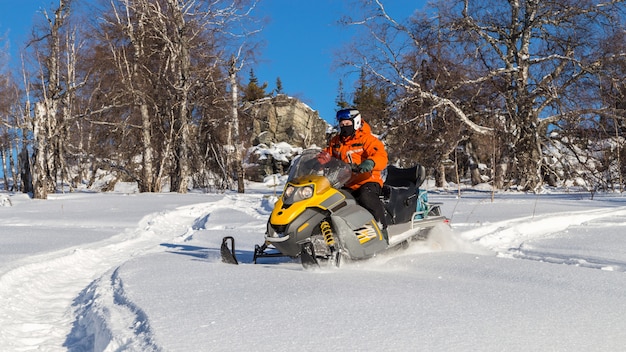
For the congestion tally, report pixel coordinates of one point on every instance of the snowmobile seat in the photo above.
(400, 192)
(403, 177)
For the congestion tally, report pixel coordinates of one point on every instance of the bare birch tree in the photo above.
(127, 37)
(235, 139)
(48, 125)
(12, 127)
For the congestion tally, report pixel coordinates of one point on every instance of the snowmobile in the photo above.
(320, 222)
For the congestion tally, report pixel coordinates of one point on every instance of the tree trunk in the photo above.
(529, 160)
(4, 169)
(440, 181)
(500, 174)
(475, 175)
(13, 167)
(238, 144)
(147, 183)
(25, 171)
(40, 174)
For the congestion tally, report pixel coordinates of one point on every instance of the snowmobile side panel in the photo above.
(354, 215)
(358, 232)
(334, 201)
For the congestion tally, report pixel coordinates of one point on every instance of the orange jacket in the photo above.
(354, 150)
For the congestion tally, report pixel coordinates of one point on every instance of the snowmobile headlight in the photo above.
(294, 194)
(306, 192)
(289, 191)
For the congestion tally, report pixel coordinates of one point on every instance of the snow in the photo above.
(126, 271)
(280, 151)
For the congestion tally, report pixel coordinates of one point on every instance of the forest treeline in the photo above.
(520, 94)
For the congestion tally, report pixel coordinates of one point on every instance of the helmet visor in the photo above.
(344, 115)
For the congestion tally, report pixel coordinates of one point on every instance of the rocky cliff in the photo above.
(285, 119)
(282, 119)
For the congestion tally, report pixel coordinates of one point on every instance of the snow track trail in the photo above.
(519, 238)
(46, 287)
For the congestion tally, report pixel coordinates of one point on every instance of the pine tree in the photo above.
(341, 101)
(279, 86)
(371, 100)
(253, 91)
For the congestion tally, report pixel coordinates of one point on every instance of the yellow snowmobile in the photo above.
(320, 222)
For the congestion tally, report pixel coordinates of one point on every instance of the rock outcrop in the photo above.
(281, 120)
(285, 119)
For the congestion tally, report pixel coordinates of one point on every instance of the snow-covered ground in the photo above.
(141, 272)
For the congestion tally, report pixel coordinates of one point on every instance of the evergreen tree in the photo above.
(279, 86)
(253, 91)
(371, 99)
(341, 101)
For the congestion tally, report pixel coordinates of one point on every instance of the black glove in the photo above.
(366, 166)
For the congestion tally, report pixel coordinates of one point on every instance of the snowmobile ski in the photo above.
(261, 252)
(228, 254)
(307, 256)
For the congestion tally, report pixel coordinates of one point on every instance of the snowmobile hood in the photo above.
(305, 192)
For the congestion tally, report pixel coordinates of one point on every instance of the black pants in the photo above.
(368, 197)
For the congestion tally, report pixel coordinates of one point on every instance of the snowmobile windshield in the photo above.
(336, 171)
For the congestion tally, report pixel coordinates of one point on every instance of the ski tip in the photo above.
(307, 256)
(228, 253)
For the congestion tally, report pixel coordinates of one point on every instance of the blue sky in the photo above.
(300, 41)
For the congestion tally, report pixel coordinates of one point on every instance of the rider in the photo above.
(356, 145)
